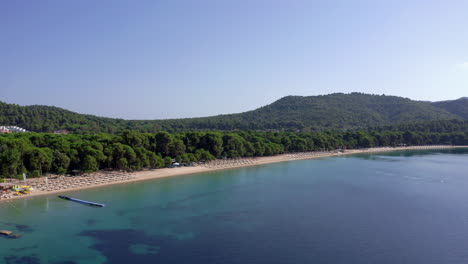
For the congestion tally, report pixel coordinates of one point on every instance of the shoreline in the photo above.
(115, 177)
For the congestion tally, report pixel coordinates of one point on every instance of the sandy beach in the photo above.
(61, 184)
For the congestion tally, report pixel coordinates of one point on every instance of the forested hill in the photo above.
(458, 107)
(291, 113)
(347, 111)
(39, 118)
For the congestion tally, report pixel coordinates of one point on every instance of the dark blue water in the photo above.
(402, 207)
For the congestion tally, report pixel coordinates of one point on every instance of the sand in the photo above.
(62, 184)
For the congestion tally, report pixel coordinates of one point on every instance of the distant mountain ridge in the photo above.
(291, 113)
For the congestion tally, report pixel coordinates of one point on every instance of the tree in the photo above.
(192, 140)
(60, 163)
(39, 159)
(213, 142)
(92, 148)
(89, 164)
(155, 161)
(167, 161)
(122, 163)
(142, 159)
(176, 148)
(134, 139)
(259, 148)
(163, 140)
(191, 157)
(10, 162)
(233, 145)
(204, 155)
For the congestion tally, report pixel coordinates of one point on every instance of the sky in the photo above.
(155, 59)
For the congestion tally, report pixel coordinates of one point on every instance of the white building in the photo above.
(11, 129)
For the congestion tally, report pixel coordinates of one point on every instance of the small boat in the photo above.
(81, 201)
(9, 234)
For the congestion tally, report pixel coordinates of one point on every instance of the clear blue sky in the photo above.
(151, 59)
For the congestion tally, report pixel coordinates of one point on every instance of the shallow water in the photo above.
(400, 207)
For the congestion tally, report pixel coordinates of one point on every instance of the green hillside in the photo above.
(335, 111)
(458, 107)
(348, 111)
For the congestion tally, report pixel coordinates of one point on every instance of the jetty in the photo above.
(81, 201)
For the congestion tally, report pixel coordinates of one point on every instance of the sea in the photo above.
(390, 208)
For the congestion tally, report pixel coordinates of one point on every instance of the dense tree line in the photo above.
(292, 113)
(38, 153)
(439, 126)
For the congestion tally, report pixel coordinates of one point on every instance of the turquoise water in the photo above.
(400, 207)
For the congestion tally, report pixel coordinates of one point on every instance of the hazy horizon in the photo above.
(175, 59)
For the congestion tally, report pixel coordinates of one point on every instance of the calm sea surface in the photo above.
(400, 207)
